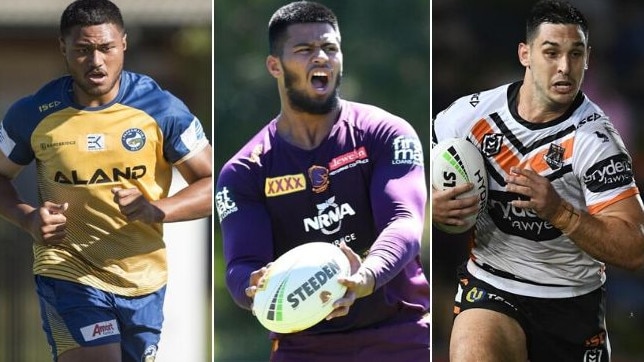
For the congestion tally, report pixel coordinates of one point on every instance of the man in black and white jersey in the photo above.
(562, 204)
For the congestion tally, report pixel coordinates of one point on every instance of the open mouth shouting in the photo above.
(320, 80)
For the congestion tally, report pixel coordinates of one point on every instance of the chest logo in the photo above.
(133, 139)
(277, 186)
(319, 177)
(492, 143)
(554, 157)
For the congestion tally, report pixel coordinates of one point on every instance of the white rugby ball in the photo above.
(300, 287)
(456, 161)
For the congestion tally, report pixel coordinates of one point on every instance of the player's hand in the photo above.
(542, 199)
(359, 284)
(448, 210)
(47, 223)
(134, 206)
(256, 280)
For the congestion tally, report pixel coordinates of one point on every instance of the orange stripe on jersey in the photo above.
(480, 129)
(593, 209)
(505, 158)
(537, 162)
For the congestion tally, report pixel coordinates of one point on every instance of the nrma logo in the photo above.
(276, 307)
(329, 218)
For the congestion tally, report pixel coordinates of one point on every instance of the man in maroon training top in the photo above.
(326, 169)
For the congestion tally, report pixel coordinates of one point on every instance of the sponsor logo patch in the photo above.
(95, 142)
(518, 221)
(150, 353)
(407, 150)
(608, 174)
(329, 218)
(283, 185)
(474, 295)
(6, 143)
(474, 100)
(348, 159)
(193, 135)
(100, 330)
(224, 203)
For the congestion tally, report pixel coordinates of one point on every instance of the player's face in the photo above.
(557, 60)
(312, 67)
(94, 57)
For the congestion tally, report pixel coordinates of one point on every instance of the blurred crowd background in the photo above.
(474, 47)
(386, 63)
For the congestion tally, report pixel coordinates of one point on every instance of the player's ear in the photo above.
(587, 58)
(124, 41)
(61, 46)
(524, 54)
(274, 66)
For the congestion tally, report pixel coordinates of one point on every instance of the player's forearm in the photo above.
(192, 202)
(395, 247)
(608, 238)
(12, 208)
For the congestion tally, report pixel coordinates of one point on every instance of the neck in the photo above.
(535, 110)
(304, 130)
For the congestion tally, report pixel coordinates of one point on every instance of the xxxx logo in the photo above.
(277, 186)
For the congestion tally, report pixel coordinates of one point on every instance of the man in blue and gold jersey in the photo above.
(105, 142)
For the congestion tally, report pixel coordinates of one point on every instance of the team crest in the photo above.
(150, 353)
(133, 139)
(492, 144)
(554, 157)
(593, 355)
(319, 177)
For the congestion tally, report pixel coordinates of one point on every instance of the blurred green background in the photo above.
(386, 63)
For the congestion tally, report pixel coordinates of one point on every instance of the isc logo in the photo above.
(48, 106)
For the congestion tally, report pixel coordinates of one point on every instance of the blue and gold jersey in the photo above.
(81, 154)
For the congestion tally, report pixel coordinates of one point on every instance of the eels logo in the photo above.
(133, 139)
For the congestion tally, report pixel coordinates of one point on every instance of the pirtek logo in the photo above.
(277, 186)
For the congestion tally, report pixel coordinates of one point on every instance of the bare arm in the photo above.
(12, 207)
(615, 235)
(45, 224)
(194, 201)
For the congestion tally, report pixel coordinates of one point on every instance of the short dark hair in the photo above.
(90, 12)
(554, 12)
(296, 13)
